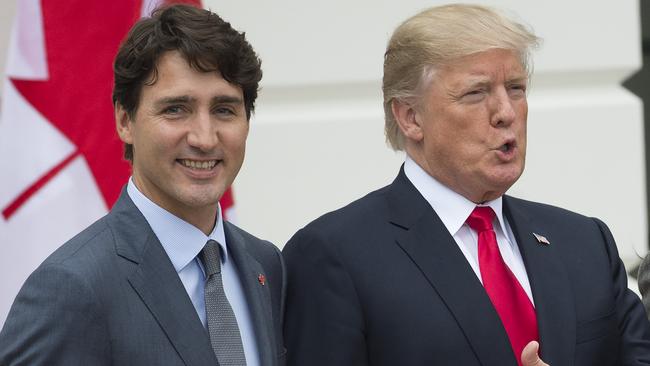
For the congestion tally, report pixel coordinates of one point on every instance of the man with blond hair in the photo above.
(441, 267)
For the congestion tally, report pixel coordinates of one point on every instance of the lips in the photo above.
(506, 151)
(508, 146)
(199, 164)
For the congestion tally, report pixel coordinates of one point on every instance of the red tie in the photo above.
(508, 297)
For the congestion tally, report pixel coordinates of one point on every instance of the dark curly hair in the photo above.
(206, 41)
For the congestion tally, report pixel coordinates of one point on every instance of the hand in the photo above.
(529, 356)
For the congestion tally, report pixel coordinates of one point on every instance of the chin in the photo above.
(502, 187)
(509, 173)
(503, 182)
(201, 199)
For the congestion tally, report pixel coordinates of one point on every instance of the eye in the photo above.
(474, 95)
(224, 111)
(517, 89)
(173, 110)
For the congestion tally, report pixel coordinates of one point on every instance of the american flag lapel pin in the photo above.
(261, 279)
(541, 239)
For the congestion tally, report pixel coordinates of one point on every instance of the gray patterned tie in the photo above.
(222, 324)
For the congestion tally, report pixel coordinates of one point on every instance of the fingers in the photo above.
(530, 357)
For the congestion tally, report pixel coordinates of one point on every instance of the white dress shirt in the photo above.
(182, 242)
(454, 209)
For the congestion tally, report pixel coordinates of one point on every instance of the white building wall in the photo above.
(317, 140)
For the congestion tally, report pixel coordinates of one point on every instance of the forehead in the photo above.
(175, 76)
(487, 66)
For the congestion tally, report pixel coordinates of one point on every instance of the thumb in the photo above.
(530, 357)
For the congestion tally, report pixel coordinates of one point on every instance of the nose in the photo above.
(503, 111)
(202, 133)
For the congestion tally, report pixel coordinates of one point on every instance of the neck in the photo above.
(476, 196)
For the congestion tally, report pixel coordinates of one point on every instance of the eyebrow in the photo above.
(228, 99)
(474, 82)
(456, 90)
(173, 100)
(182, 99)
(518, 79)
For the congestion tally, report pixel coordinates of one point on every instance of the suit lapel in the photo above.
(258, 297)
(426, 241)
(550, 286)
(158, 285)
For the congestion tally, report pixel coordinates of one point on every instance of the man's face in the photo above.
(189, 137)
(473, 125)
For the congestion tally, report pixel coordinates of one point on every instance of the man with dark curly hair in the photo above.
(162, 279)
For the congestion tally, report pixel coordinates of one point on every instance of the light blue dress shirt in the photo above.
(182, 242)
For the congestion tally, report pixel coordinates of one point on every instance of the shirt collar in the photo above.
(452, 208)
(181, 240)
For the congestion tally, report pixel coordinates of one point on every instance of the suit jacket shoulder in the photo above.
(359, 215)
(110, 295)
(262, 250)
(60, 298)
(267, 255)
(575, 233)
(543, 211)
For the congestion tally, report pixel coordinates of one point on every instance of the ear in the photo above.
(408, 120)
(123, 124)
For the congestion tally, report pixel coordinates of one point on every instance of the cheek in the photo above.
(522, 114)
(166, 136)
(157, 146)
(234, 138)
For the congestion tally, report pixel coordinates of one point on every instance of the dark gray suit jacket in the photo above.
(381, 282)
(110, 296)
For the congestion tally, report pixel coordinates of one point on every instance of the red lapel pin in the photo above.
(262, 279)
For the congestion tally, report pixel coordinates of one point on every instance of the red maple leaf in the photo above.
(81, 40)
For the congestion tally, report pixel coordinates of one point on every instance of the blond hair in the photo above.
(438, 36)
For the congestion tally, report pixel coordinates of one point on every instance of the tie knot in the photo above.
(481, 219)
(211, 258)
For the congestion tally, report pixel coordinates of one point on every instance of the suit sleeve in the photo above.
(633, 324)
(323, 322)
(54, 321)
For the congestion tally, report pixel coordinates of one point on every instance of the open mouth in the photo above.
(507, 147)
(199, 164)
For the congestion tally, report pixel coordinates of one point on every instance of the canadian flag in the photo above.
(60, 157)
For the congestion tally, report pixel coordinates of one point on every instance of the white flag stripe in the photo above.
(40, 226)
(149, 6)
(29, 145)
(27, 58)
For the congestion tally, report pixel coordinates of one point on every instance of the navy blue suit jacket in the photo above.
(381, 282)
